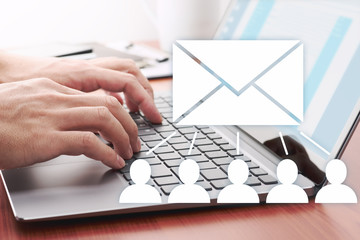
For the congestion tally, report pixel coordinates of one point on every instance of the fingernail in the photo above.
(138, 144)
(121, 162)
(130, 151)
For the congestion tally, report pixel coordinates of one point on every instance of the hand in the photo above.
(111, 74)
(41, 119)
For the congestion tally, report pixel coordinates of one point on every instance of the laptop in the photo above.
(71, 187)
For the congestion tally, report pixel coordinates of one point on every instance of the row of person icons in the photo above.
(238, 191)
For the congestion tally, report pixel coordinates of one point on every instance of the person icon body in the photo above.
(238, 192)
(336, 192)
(287, 192)
(140, 192)
(189, 192)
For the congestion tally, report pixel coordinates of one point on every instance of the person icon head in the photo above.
(189, 191)
(336, 171)
(336, 191)
(140, 192)
(287, 171)
(238, 171)
(140, 171)
(287, 191)
(189, 171)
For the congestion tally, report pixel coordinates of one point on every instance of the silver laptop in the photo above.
(69, 187)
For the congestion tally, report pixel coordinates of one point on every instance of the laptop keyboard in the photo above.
(211, 151)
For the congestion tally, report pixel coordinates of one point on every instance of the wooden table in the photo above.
(292, 221)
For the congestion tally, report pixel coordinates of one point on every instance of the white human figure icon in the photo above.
(238, 192)
(287, 192)
(189, 192)
(140, 192)
(336, 192)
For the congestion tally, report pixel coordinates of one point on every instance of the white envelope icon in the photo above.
(238, 82)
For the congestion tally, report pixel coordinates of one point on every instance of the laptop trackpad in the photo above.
(65, 185)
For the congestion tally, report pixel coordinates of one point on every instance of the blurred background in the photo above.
(35, 22)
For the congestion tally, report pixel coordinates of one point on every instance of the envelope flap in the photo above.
(284, 83)
(190, 82)
(238, 62)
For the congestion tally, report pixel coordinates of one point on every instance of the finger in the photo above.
(116, 81)
(97, 119)
(125, 65)
(116, 109)
(77, 143)
(117, 96)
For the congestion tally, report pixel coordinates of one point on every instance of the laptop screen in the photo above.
(330, 32)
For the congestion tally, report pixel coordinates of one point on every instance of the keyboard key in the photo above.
(205, 185)
(160, 171)
(167, 149)
(165, 129)
(224, 168)
(153, 161)
(222, 161)
(213, 136)
(143, 155)
(201, 142)
(154, 143)
(188, 130)
(182, 126)
(173, 163)
(190, 136)
(202, 126)
(233, 153)
(244, 158)
(209, 148)
(181, 146)
(166, 134)
(252, 181)
(220, 184)
(213, 174)
(267, 179)
(127, 176)
(150, 138)
(206, 165)
(140, 121)
(143, 126)
(166, 181)
(168, 98)
(145, 132)
(217, 154)
(135, 115)
(252, 165)
(144, 148)
(163, 123)
(185, 153)
(162, 105)
(167, 114)
(258, 172)
(168, 188)
(126, 168)
(165, 110)
(159, 100)
(227, 147)
(168, 156)
(177, 140)
(220, 141)
(199, 158)
(207, 130)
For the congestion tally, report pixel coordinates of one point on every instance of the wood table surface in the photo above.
(285, 221)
